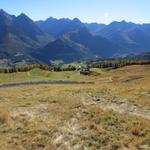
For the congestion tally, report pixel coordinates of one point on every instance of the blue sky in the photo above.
(102, 11)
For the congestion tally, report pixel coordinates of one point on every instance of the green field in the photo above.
(113, 113)
(41, 75)
(38, 75)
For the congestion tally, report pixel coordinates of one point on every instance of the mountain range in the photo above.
(23, 40)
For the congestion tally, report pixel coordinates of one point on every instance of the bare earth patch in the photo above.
(120, 106)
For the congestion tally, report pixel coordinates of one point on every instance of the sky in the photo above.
(101, 11)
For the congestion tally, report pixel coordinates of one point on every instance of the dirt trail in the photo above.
(120, 106)
(41, 82)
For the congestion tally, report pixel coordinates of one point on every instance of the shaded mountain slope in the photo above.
(62, 49)
(98, 45)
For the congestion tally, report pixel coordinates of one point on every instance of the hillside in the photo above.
(106, 114)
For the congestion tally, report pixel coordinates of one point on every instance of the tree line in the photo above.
(40, 66)
(116, 64)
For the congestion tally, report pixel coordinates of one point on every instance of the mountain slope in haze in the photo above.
(94, 27)
(75, 45)
(129, 37)
(58, 27)
(62, 49)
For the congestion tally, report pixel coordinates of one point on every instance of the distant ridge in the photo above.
(23, 41)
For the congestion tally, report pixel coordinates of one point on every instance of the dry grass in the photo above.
(3, 117)
(65, 117)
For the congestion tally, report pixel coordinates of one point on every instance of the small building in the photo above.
(85, 71)
(78, 68)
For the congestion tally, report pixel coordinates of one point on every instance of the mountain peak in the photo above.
(76, 20)
(123, 21)
(2, 11)
(122, 25)
(118, 22)
(51, 19)
(5, 17)
(24, 17)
